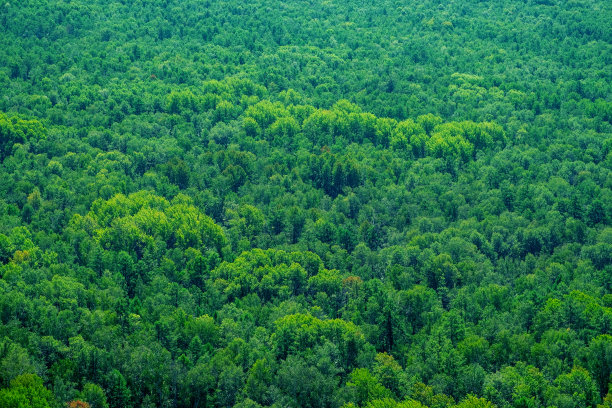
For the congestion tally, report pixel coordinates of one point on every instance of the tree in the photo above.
(17, 130)
(366, 387)
(14, 362)
(94, 395)
(578, 387)
(305, 384)
(390, 375)
(600, 361)
(118, 392)
(27, 391)
(258, 381)
(472, 401)
(229, 384)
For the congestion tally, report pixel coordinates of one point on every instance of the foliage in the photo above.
(305, 204)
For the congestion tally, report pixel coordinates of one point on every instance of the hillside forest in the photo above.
(305, 204)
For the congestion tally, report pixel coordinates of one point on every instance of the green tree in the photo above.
(600, 361)
(366, 386)
(94, 395)
(27, 391)
(117, 390)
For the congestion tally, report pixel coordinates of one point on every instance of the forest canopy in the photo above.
(306, 204)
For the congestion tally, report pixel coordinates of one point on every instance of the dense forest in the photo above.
(306, 203)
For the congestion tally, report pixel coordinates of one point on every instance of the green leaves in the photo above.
(15, 362)
(27, 391)
(301, 332)
(271, 274)
(367, 388)
(14, 129)
(600, 361)
(305, 204)
(133, 223)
